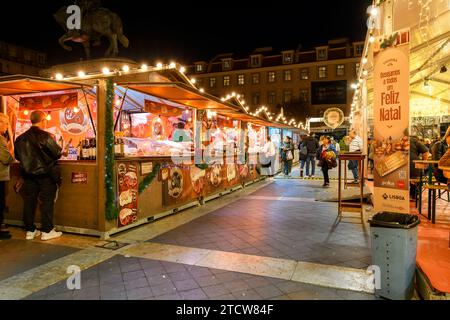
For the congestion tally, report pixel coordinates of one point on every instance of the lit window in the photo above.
(304, 73)
(271, 76)
(322, 72)
(255, 78)
(271, 97)
(226, 81)
(287, 96)
(241, 79)
(287, 75)
(212, 82)
(357, 65)
(199, 68)
(340, 70)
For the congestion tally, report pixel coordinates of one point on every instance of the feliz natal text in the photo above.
(390, 98)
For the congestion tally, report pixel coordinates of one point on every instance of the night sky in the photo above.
(191, 30)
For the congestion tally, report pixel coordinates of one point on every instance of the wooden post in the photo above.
(101, 191)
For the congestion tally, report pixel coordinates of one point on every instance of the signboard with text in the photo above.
(391, 124)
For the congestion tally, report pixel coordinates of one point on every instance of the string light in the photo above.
(105, 71)
(81, 74)
(125, 68)
(144, 67)
(59, 76)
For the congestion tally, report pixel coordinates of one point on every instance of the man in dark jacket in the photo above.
(311, 145)
(38, 153)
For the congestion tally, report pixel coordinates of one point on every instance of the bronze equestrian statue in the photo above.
(96, 22)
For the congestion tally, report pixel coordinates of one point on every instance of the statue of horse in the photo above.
(95, 24)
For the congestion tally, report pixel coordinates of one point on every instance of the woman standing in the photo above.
(5, 160)
(287, 155)
(327, 156)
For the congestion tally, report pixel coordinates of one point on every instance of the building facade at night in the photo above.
(19, 60)
(316, 79)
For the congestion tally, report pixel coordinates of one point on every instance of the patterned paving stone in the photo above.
(279, 229)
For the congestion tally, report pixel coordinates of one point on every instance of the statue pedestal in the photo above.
(94, 66)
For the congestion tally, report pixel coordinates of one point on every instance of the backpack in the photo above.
(303, 150)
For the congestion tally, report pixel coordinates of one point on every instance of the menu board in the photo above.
(127, 184)
(50, 102)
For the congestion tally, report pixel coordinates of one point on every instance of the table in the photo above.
(422, 165)
(345, 205)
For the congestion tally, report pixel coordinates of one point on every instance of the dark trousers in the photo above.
(325, 172)
(353, 167)
(44, 190)
(287, 167)
(2, 201)
(311, 161)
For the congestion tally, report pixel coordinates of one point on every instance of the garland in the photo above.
(202, 166)
(148, 179)
(111, 212)
(389, 42)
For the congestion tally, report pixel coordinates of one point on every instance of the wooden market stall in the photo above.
(142, 146)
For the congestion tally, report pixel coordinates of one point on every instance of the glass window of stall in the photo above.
(71, 117)
(275, 135)
(152, 127)
(256, 137)
(219, 132)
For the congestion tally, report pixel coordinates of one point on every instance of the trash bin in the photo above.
(394, 247)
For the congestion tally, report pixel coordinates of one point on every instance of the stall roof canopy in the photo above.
(22, 84)
(189, 96)
(180, 93)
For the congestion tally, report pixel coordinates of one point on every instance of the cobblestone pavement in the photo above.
(273, 223)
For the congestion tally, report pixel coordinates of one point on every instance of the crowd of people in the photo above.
(323, 152)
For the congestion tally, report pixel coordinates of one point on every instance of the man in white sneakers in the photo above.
(38, 153)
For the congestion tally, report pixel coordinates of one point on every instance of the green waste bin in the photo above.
(394, 246)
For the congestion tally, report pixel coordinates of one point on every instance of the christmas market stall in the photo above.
(142, 144)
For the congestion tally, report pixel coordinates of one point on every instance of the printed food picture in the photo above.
(197, 179)
(231, 172)
(215, 175)
(128, 193)
(393, 155)
(176, 182)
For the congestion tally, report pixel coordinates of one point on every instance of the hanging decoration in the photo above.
(148, 179)
(111, 211)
